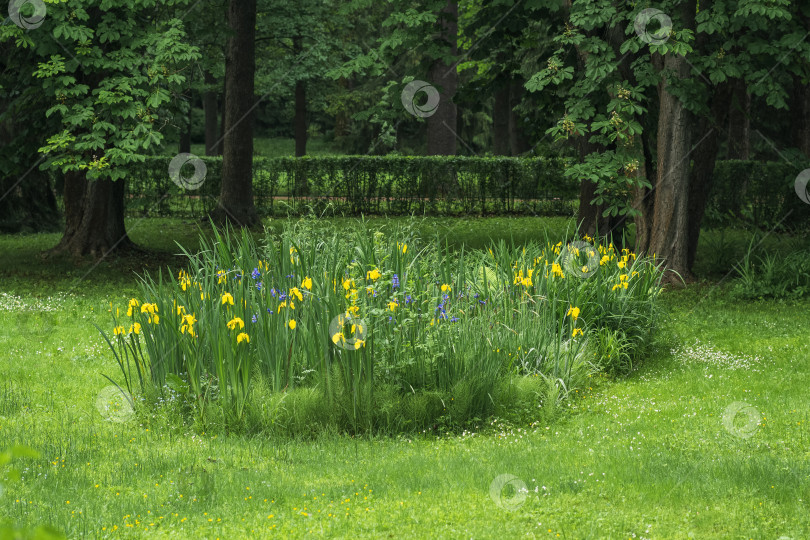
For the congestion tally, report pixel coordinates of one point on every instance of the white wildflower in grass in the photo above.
(711, 356)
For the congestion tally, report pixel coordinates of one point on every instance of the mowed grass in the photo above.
(648, 456)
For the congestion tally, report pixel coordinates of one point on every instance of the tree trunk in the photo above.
(518, 142)
(501, 111)
(643, 200)
(300, 106)
(185, 135)
(705, 157)
(236, 195)
(94, 217)
(300, 118)
(441, 139)
(669, 236)
(800, 113)
(210, 106)
(739, 132)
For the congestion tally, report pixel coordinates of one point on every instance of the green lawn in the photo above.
(648, 456)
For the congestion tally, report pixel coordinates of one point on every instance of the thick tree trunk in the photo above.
(739, 136)
(501, 111)
(236, 196)
(800, 114)
(210, 106)
(518, 142)
(94, 217)
(669, 235)
(441, 139)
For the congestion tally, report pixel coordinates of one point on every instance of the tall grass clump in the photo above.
(358, 330)
(772, 275)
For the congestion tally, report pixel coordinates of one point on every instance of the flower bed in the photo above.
(361, 330)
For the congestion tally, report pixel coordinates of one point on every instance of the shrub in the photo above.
(367, 185)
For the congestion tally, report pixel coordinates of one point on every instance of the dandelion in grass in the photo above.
(236, 321)
(242, 337)
(227, 299)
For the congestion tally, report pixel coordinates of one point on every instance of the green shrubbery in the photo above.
(750, 192)
(759, 194)
(367, 184)
(773, 275)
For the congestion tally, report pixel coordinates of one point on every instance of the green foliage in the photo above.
(113, 92)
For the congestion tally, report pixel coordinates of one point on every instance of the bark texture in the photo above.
(501, 112)
(94, 217)
(236, 195)
(441, 139)
(211, 108)
(669, 237)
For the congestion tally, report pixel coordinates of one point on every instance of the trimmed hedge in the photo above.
(743, 192)
(761, 194)
(368, 185)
